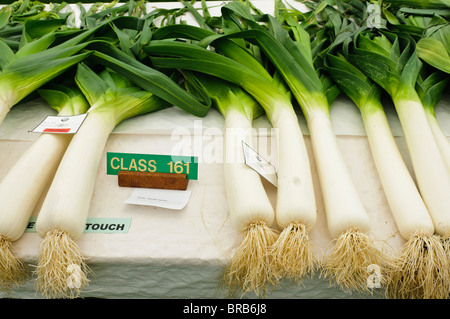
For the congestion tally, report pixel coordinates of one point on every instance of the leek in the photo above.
(28, 179)
(245, 191)
(63, 214)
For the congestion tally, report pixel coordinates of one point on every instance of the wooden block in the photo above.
(152, 180)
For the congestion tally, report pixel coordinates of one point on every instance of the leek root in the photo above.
(61, 270)
(293, 256)
(249, 269)
(12, 269)
(421, 272)
(350, 259)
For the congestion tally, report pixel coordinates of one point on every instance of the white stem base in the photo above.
(67, 203)
(25, 182)
(246, 196)
(432, 175)
(295, 194)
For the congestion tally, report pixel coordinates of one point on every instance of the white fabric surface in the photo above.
(180, 254)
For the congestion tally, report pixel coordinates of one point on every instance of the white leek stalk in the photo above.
(296, 206)
(348, 223)
(247, 204)
(430, 169)
(341, 198)
(26, 181)
(406, 204)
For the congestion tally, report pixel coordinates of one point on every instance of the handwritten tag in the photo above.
(60, 124)
(259, 164)
(164, 198)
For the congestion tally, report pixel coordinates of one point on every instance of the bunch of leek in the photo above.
(295, 193)
(292, 254)
(390, 60)
(423, 253)
(418, 270)
(347, 219)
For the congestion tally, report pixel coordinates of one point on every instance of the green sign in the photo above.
(152, 163)
(95, 225)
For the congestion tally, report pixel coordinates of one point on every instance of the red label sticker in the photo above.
(57, 130)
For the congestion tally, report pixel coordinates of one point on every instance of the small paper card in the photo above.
(60, 124)
(259, 164)
(165, 198)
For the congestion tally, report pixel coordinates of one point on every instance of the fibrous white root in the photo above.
(61, 270)
(421, 271)
(12, 270)
(293, 256)
(354, 263)
(249, 269)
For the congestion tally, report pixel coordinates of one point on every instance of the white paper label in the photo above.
(60, 124)
(259, 164)
(165, 198)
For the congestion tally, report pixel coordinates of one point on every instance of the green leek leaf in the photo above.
(148, 79)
